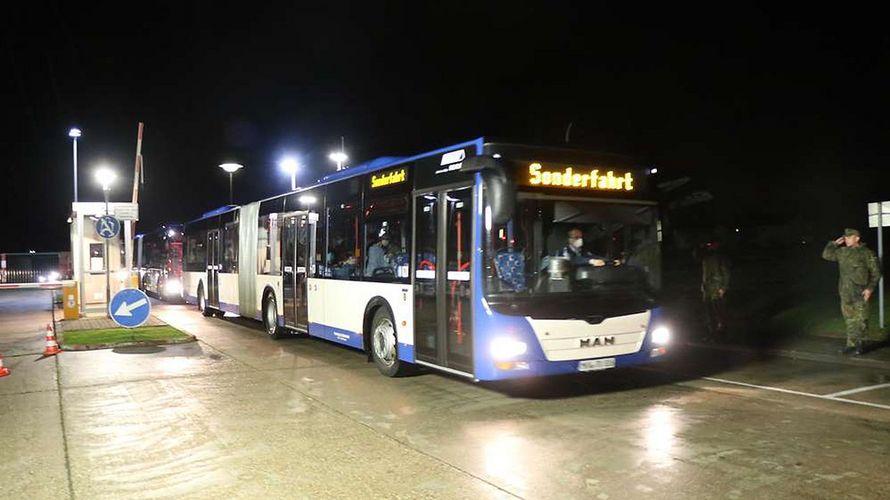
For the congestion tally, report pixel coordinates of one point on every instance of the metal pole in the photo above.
(881, 263)
(230, 188)
(75, 170)
(293, 181)
(107, 263)
(80, 252)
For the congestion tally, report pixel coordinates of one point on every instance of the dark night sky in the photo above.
(781, 114)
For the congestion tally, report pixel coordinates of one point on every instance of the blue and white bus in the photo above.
(452, 259)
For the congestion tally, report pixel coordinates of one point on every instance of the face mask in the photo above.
(578, 243)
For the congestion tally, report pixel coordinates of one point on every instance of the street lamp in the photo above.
(290, 166)
(105, 176)
(74, 133)
(339, 157)
(231, 168)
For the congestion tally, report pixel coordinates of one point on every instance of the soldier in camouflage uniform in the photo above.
(715, 275)
(859, 273)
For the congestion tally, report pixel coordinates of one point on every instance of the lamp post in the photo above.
(231, 168)
(339, 157)
(290, 166)
(105, 177)
(74, 133)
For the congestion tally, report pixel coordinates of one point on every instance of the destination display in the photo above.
(389, 178)
(576, 177)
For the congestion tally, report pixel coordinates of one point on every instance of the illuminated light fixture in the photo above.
(653, 171)
(74, 133)
(339, 157)
(171, 233)
(231, 168)
(661, 335)
(504, 348)
(54, 275)
(307, 199)
(496, 156)
(105, 176)
(290, 166)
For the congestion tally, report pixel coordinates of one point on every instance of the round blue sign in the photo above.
(129, 308)
(108, 227)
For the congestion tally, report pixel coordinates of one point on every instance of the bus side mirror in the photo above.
(499, 193)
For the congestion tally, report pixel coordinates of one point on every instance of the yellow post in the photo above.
(70, 300)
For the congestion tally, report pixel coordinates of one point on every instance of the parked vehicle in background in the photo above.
(159, 261)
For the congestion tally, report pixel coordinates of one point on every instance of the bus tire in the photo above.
(385, 346)
(202, 302)
(270, 317)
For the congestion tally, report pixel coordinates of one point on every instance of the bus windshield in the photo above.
(567, 245)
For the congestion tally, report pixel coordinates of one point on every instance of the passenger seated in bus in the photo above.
(575, 252)
(381, 257)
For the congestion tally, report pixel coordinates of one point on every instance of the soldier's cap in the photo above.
(851, 232)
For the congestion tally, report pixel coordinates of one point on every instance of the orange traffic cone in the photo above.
(4, 371)
(52, 347)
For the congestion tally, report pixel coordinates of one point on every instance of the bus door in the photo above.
(213, 267)
(298, 249)
(443, 225)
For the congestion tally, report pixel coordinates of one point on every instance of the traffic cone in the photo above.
(4, 371)
(52, 347)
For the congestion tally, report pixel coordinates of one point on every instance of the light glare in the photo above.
(231, 167)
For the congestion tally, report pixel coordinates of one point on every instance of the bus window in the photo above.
(196, 252)
(268, 248)
(344, 255)
(230, 248)
(387, 239)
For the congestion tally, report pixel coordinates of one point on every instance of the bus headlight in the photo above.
(661, 335)
(507, 348)
(173, 287)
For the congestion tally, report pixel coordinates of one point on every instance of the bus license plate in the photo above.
(589, 365)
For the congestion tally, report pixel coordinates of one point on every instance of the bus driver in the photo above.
(575, 252)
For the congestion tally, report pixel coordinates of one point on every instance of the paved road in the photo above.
(241, 415)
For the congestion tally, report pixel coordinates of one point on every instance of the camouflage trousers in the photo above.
(855, 311)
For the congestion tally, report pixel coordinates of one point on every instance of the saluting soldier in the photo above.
(859, 273)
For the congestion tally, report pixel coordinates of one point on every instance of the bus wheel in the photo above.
(384, 348)
(202, 303)
(270, 317)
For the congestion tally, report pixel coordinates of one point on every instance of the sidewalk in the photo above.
(813, 348)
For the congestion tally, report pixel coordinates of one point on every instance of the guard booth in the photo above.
(88, 251)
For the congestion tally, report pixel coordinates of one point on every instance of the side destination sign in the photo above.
(389, 178)
(568, 177)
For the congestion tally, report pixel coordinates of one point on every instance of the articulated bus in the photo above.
(159, 261)
(452, 259)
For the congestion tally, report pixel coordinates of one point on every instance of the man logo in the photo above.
(597, 341)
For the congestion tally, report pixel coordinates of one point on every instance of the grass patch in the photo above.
(115, 336)
(822, 317)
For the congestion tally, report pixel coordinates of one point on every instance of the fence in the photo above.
(34, 267)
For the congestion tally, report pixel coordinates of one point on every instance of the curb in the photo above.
(804, 355)
(141, 343)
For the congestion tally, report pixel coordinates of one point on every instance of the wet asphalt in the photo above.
(243, 416)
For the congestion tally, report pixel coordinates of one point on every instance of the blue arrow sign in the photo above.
(129, 308)
(108, 227)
